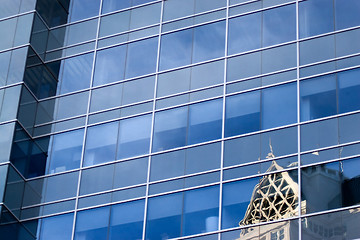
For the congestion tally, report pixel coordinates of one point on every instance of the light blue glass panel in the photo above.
(126, 221)
(170, 129)
(57, 227)
(349, 90)
(176, 49)
(279, 25)
(65, 151)
(242, 113)
(6, 138)
(244, 66)
(72, 105)
(318, 97)
(9, 8)
(278, 106)
(97, 179)
(242, 150)
(113, 5)
(209, 42)
(164, 217)
(81, 9)
(110, 65)
(130, 172)
(244, 33)
(141, 57)
(201, 211)
(205, 121)
(235, 200)
(134, 136)
(101, 143)
(7, 31)
(349, 130)
(75, 73)
(347, 13)
(60, 186)
(317, 49)
(107, 26)
(315, 17)
(106, 97)
(92, 224)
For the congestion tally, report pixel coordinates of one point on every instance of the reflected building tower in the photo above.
(151, 119)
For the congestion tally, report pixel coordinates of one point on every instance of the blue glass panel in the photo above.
(205, 121)
(92, 224)
(201, 210)
(134, 136)
(349, 90)
(209, 42)
(57, 227)
(315, 17)
(318, 97)
(244, 33)
(130, 172)
(141, 57)
(164, 217)
(75, 73)
(242, 113)
(126, 222)
(278, 106)
(170, 129)
(97, 179)
(279, 25)
(113, 5)
(176, 49)
(347, 13)
(101, 143)
(110, 65)
(236, 198)
(66, 151)
(81, 9)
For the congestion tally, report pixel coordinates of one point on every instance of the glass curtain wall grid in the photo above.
(180, 119)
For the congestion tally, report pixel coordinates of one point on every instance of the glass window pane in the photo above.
(61, 186)
(278, 58)
(138, 90)
(244, 66)
(131, 172)
(97, 179)
(242, 150)
(141, 57)
(205, 121)
(81, 9)
(92, 224)
(7, 31)
(126, 221)
(209, 42)
(315, 17)
(164, 217)
(75, 73)
(110, 65)
(349, 128)
(242, 113)
(176, 49)
(349, 90)
(278, 106)
(106, 97)
(244, 33)
(113, 5)
(318, 97)
(176, 9)
(346, 13)
(319, 134)
(101, 144)
(236, 198)
(107, 26)
(65, 153)
(144, 16)
(317, 49)
(201, 209)
(134, 136)
(57, 227)
(279, 25)
(170, 129)
(72, 105)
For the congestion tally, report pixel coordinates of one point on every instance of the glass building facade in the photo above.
(179, 119)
